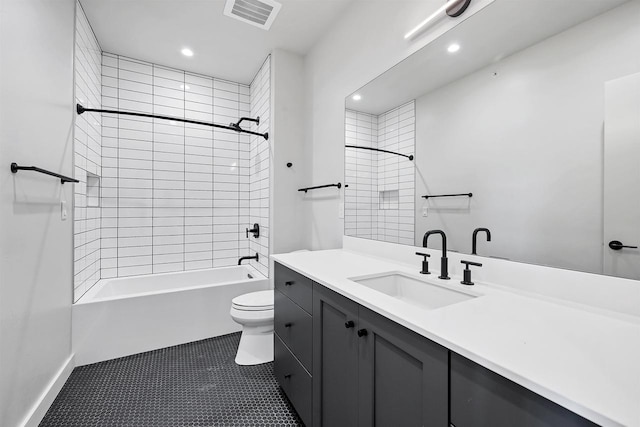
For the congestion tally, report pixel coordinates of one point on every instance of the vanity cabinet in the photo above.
(482, 398)
(371, 371)
(342, 364)
(293, 341)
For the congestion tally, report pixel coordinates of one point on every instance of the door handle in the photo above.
(617, 245)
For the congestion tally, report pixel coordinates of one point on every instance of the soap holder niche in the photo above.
(388, 199)
(93, 190)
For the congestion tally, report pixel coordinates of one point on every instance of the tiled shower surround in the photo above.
(87, 157)
(260, 157)
(174, 196)
(379, 202)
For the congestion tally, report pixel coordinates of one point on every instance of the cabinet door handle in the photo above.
(288, 283)
(362, 332)
(288, 376)
(349, 324)
(288, 325)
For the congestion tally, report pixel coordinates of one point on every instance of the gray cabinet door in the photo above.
(335, 359)
(403, 378)
(482, 398)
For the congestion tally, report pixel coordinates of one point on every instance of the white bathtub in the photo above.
(124, 316)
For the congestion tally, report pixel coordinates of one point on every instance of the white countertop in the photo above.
(582, 359)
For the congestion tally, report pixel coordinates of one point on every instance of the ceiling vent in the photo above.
(259, 13)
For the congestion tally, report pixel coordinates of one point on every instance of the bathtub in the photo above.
(129, 315)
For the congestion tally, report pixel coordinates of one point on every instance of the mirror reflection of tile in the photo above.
(380, 199)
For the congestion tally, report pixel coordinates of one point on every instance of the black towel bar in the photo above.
(339, 185)
(15, 168)
(447, 195)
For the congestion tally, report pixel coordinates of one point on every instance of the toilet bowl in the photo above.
(254, 311)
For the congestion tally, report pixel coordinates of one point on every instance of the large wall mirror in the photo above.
(525, 118)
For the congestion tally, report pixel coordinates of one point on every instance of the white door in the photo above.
(622, 177)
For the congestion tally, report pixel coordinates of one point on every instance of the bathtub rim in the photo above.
(89, 296)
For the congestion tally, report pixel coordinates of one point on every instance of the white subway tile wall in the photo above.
(87, 156)
(380, 199)
(361, 195)
(175, 196)
(396, 132)
(260, 155)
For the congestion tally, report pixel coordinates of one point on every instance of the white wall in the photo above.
(289, 230)
(36, 252)
(528, 142)
(366, 41)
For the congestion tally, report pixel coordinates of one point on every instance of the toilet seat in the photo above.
(254, 301)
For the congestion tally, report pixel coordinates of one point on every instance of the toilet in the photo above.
(254, 311)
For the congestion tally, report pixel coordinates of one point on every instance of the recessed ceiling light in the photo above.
(187, 52)
(453, 48)
(356, 97)
(185, 87)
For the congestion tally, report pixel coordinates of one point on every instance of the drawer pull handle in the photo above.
(349, 324)
(362, 332)
(288, 325)
(287, 376)
(288, 283)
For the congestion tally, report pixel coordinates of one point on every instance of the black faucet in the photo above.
(248, 257)
(475, 236)
(444, 265)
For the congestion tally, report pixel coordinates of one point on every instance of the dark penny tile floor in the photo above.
(195, 384)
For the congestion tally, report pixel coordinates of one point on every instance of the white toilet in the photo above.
(254, 311)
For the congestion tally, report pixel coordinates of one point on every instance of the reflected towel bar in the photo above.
(448, 195)
(15, 168)
(233, 126)
(408, 156)
(339, 185)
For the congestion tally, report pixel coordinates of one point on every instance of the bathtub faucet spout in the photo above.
(248, 257)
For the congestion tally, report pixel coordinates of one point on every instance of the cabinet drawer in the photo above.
(294, 380)
(480, 397)
(295, 286)
(294, 326)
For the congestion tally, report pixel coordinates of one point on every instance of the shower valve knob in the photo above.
(255, 231)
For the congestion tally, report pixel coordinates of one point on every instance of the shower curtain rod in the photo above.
(232, 126)
(408, 156)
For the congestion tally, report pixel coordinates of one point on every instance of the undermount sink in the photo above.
(414, 291)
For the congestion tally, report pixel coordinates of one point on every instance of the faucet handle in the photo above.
(425, 263)
(468, 263)
(466, 276)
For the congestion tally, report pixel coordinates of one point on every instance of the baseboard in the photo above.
(40, 408)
